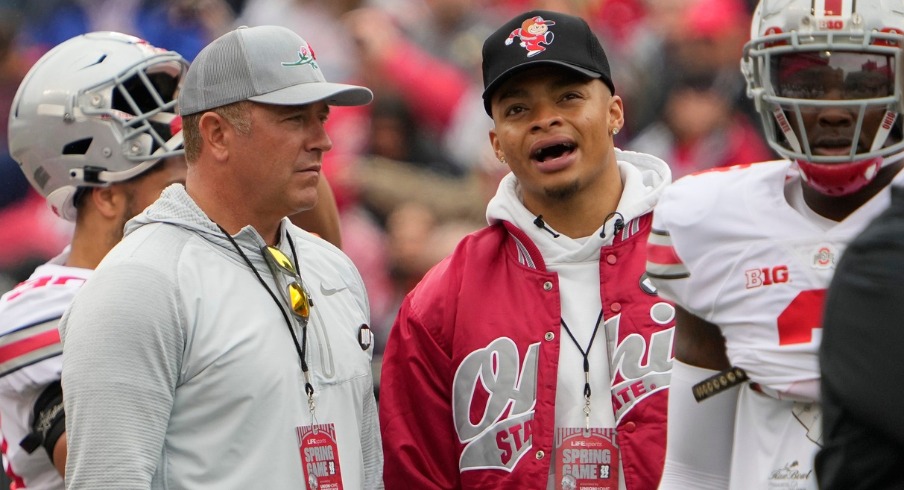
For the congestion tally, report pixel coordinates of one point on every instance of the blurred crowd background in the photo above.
(413, 171)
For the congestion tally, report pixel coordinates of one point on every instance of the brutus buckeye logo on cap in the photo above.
(533, 33)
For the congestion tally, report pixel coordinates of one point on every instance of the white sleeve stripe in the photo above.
(660, 237)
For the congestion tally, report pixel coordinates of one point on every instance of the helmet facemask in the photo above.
(141, 104)
(829, 99)
(97, 109)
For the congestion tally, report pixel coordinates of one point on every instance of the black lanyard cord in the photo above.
(299, 348)
(308, 388)
(585, 354)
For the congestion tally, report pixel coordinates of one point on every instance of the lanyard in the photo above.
(302, 348)
(585, 354)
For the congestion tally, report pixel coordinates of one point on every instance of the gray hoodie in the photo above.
(180, 370)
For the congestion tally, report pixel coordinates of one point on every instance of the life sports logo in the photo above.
(533, 33)
(305, 57)
(493, 383)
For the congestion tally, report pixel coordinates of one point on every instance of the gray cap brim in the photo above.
(338, 94)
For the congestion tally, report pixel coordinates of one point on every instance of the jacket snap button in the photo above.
(616, 307)
(540, 454)
(630, 426)
(611, 259)
(547, 286)
(549, 336)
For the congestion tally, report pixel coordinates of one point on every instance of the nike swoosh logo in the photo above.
(331, 291)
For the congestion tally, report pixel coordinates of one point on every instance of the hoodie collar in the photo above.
(644, 177)
(176, 207)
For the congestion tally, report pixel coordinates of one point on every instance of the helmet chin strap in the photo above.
(840, 179)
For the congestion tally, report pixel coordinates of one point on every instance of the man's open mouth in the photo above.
(552, 151)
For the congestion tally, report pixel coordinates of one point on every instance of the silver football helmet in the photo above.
(826, 79)
(96, 109)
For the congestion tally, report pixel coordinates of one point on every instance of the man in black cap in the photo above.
(537, 355)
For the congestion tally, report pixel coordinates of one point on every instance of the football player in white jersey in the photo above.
(94, 128)
(747, 252)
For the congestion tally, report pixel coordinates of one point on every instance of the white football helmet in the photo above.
(96, 109)
(826, 79)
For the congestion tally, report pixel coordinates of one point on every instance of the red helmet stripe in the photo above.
(176, 125)
(833, 7)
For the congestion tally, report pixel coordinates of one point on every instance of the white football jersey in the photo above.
(31, 359)
(729, 248)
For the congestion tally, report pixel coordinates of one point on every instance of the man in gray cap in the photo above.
(218, 345)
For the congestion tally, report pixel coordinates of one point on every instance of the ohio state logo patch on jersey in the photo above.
(824, 258)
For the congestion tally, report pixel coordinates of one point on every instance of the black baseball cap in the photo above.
(542, 37)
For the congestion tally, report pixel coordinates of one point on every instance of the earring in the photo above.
(614, 131)
(502, 160)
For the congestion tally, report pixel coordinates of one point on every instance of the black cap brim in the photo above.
(506, 75)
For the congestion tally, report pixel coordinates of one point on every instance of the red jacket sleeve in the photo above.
(420, 446)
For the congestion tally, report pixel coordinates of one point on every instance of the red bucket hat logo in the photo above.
(533, 32)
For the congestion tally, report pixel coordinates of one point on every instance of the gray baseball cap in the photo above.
(266, 64)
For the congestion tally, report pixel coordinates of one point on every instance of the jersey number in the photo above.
(41, 282)
(801, 317)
